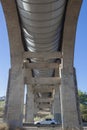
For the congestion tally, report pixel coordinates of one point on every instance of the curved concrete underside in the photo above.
(41, 24)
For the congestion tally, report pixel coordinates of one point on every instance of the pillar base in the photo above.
(57, 117)
(72, 128)
(69, 109)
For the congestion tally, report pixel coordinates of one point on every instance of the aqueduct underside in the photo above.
(42, 37)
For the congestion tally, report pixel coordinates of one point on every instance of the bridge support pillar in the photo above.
(30, 105)
(69, 106)
(15, 93)
(57, 106)
(14, 112)
(69, 109)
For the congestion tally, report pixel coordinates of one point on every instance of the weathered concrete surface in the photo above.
(43, 128)
(57, 105)
(69, 32)
(14, 32)
(68, 100)
(67, 90)
(51, 128)
(30, 105)
(69, 109)
(84, 128)
(16, 92)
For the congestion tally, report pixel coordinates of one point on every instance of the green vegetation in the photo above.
(83, 105)
(2, 104)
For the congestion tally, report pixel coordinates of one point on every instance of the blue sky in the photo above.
(80, 61)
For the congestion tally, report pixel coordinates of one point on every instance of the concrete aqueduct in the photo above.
(42, 37)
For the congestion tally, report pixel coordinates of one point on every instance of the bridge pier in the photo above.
(69, 109)
(15, 94)
(15, 98)
(69, 105)
(15, 104)
(57, 105)
(30, 105)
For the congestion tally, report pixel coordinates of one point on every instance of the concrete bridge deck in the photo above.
(39, 35)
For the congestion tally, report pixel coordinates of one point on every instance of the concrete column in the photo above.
(7, 95)
(57, 106)
(29, 105)
(77, 98)
(14, 32)
(14, 114)
(69, 109)
(68, 98)
(15, 91)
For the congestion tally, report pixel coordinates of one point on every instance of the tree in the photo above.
(83, 104)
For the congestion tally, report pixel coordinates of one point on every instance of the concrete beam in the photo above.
(43, 56)
(43, 81)
(44, 89)
(44, 105)
(44, 100)
(41, 65)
